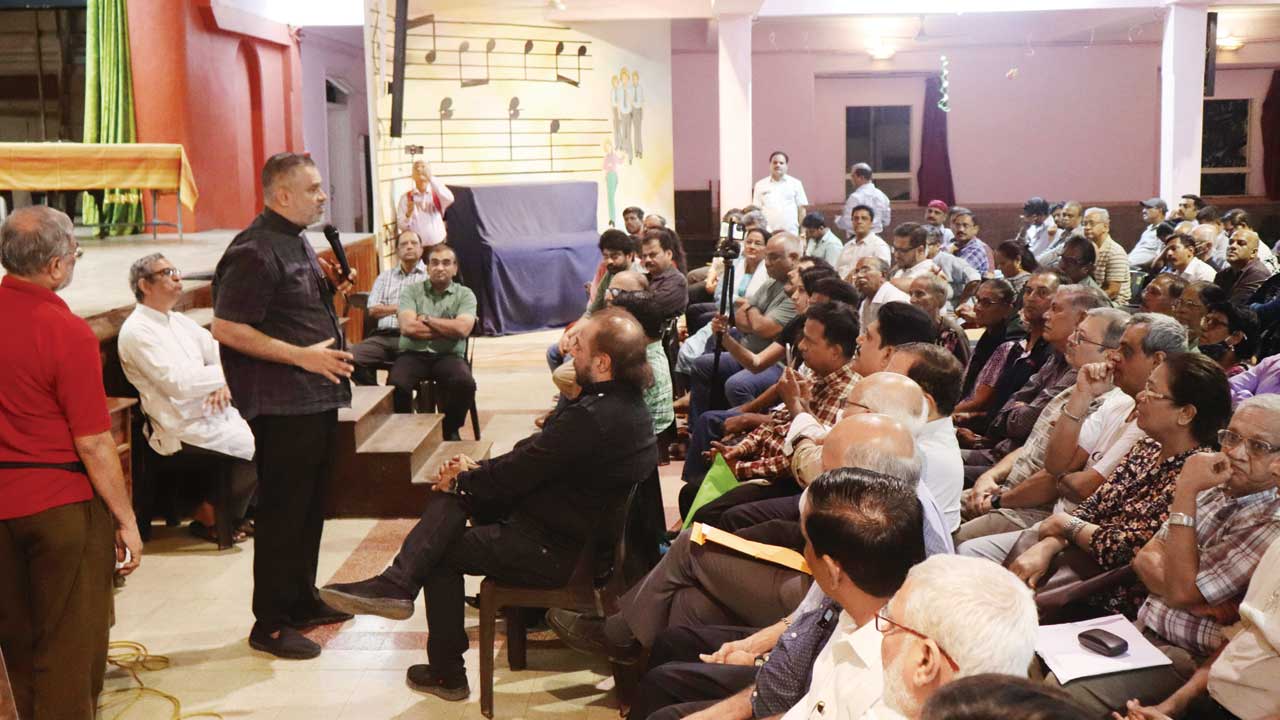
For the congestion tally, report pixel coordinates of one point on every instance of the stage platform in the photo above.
(100, 290)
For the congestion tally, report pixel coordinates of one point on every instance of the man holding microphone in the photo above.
(282, 352)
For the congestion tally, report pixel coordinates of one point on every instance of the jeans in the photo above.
(740, 385)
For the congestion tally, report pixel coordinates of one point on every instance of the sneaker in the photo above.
(284, 643)
(423, 679)
(375, 596)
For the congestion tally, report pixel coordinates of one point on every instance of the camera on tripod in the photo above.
(728, 248)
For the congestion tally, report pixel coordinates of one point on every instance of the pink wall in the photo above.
(1074, 121)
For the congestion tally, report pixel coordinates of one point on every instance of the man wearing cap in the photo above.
(1036, 225)
(936, 215)
(820, 242)
(865, 193)
(1149, 246)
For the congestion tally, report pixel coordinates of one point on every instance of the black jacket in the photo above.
(576, 471)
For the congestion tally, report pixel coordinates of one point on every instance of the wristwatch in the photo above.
(1182, 519)
(995, 501)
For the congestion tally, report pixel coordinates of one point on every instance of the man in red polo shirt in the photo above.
(60, 480)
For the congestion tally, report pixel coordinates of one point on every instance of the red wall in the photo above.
(232, 100)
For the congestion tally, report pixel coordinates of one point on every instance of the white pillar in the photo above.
(735, 110)
(1182, 99)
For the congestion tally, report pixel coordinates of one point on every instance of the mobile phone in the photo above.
(787, 347)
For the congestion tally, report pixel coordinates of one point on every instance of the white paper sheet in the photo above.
(1061, 650)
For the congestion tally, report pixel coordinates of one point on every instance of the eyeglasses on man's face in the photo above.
(169, 272)
(886, 625)
(1230, 439)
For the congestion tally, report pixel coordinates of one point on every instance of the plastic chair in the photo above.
(587, 591)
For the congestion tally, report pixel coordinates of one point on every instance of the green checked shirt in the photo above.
(658, 397)
(455, 301)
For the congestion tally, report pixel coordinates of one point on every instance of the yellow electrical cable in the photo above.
(133, 657)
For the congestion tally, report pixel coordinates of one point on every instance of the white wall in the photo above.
(337, 53)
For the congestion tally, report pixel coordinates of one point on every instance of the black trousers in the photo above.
(457, 387)
(295, 456)
(678, 683)
(441, 549)
(713, 512)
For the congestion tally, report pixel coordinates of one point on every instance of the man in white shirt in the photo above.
(422, 208)
(382, 341)
(174, 364)
(865, 193)
(939, 374)
(1180, 253)
(780, 196)
(865, 242)
(870, 277)
(1036, 228)
(1148, 247)
(953, 617)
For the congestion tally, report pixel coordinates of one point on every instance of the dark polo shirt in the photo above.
(270, 278)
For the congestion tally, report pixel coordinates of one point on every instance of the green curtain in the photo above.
(108, 106)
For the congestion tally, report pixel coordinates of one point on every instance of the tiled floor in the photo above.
(190, 603)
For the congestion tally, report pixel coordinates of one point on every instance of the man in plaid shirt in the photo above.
(1224, 515)
(827, 346)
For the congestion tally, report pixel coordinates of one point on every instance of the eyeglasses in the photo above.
(1188, 304)
(1072, 261)
(1209, 321)
(78, 252)
(1078, 337)
(171, 272)
(1154, 394)
(884, 625)
(1043, 293)
(1229, 439)
(988, 302)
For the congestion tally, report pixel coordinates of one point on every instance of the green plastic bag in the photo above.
(718, 481)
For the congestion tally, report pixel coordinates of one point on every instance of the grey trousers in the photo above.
(710, 585)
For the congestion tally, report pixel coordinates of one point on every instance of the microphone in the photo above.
(331, 234)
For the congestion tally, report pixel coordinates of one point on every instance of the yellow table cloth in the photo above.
(91, 166)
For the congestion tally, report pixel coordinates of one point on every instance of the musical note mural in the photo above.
(515, 99)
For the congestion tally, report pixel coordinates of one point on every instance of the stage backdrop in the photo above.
(504, 97)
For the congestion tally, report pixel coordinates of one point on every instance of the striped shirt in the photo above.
(386, 291)
(1112, 265)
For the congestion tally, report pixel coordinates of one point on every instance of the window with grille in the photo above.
(881, 137)
(1224, 154)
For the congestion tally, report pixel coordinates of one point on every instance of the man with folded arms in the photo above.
(62, 492)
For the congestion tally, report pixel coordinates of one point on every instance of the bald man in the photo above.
(703, 599)
(1245, 272)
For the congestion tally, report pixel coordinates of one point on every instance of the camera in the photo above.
(728, 248)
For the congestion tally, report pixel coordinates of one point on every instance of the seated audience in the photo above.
(994, 310)
(436, 318)
(1014, 361)
(1229, 335)
(896, 324)
(1224, 515)
(1211, 239)
(870, 277)
(1261, 379)
(965, 243)
(532, 509)
(827, 346)
(820, 242)
(929, 293)
(1000, 697)
(954, 617)
(657, 397)
(1111, 266)
(1035, 225)
(759, 318)
(910, 255)
(382, 341)
(174, 364)
(1068, 223)
(863, 242)
(1149, 244)
(1017, 492)
(1011, 425)
(1238, 219)
(1162, 292)
(1181, 260)
(564, 377)
(962, 279)
(617, 252)
(1077, 262)
(658, 252)
(1245, 272)
(1192, 306)
(1016, 263)
(938, 375)
(1181, 409)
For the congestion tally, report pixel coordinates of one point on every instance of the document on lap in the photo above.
(786, 557)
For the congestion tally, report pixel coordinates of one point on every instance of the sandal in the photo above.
(207, 533)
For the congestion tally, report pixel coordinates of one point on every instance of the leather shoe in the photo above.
(423, 679)
(586, 635)
(319, 614)
(287, 643)
(375, 596)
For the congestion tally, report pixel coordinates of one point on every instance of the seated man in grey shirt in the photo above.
(382, 341)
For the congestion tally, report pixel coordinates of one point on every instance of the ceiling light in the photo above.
(880, 51)
(1230, 43)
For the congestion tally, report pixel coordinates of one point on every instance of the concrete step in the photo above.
(371, 406)
(474, 449)
(401, 445)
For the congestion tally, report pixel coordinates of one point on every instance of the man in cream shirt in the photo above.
(422, 208)
(174, 364)
(780, 196)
